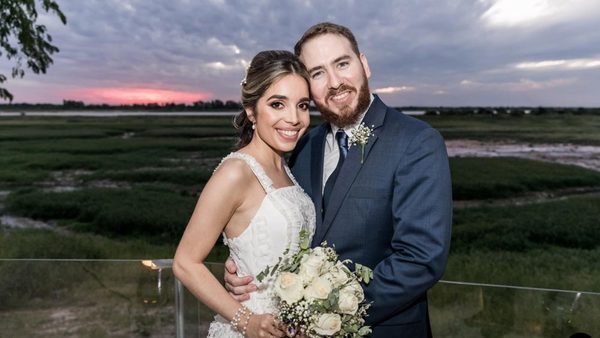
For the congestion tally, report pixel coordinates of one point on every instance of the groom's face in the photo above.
(338, 78)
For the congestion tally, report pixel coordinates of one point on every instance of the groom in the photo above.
(385, 203)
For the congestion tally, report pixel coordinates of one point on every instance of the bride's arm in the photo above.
(222, 196)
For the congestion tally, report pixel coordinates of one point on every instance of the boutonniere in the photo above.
(360, 136)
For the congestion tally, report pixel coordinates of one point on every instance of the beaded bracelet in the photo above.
(246, 321)
(241, 311)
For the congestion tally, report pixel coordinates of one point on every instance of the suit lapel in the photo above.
(352, 166)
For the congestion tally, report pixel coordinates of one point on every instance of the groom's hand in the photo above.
(238, 287)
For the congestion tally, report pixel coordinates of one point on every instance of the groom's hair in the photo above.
(326, 28)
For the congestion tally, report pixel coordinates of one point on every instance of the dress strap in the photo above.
(289, 173)
(257, 169)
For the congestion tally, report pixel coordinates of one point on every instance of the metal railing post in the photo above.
(179, 310)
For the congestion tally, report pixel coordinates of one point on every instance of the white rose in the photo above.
(327, 265)
(328, 324)
(311, 265)
(288, 287)
(319, 288)
(348, 302)
(356, 289)
(337, 275)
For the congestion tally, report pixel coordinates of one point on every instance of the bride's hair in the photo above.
(266, 67)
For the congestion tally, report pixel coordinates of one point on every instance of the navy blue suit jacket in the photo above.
(392, 213)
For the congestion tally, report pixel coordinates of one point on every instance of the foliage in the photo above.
(500, 111)
(572, 223)
(156, 214)
(51, 244)
(502, 177)
(579, 129)
(177, 176)
(18, 23)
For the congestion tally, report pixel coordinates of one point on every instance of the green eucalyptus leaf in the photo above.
(365, 330)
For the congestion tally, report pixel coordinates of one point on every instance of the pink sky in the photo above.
(127, 95)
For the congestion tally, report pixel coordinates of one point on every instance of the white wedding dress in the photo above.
(275, 227)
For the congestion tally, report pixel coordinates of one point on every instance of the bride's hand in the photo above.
(239, 287)
(260, 326)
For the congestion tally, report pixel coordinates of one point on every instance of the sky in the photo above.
(421, 53)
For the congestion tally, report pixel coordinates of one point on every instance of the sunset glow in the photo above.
(135, 95)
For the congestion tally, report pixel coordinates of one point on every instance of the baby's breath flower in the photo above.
(360, 136)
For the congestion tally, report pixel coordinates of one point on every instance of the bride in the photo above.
(252, 199)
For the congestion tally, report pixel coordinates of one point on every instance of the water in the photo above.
(564, 153)
(23, 223)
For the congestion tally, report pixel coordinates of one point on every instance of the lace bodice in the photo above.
(274, 228)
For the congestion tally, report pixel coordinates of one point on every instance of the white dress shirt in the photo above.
(331, 154)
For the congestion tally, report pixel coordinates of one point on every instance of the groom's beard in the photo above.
(347, 116)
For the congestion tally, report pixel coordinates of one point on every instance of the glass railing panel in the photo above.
(127, 298)
(86, 298)
(464, 310)
(195, 317)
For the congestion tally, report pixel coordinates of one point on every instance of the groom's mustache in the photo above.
(335, 91)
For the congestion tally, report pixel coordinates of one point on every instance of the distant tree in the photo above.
(217, 104)
(71, 104)
(21, 39)
(230, 104)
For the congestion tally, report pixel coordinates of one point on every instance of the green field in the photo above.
(124, 187)
(578, 129)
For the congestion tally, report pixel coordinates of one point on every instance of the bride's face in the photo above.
(282, 114)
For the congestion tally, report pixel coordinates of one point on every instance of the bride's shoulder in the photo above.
(233, 172)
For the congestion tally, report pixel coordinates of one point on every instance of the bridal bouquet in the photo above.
(318, 294)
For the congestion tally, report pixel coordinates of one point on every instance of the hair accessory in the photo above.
(243, 83)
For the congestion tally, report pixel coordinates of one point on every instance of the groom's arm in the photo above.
(422, 218)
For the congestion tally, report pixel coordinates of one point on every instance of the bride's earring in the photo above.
(253, 125)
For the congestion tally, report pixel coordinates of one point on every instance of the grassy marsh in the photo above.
(136, 179)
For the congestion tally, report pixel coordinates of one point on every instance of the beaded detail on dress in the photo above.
(274, 228)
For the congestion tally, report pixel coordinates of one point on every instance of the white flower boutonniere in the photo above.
(360, 136)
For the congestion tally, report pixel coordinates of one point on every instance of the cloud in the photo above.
(520, 85)
(519, 12)
(220, 66)
(389, 90)
(427, 46)
(510, 13)
(216, 45)
(560, 64)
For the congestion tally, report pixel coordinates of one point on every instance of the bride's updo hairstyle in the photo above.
(266, 68)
